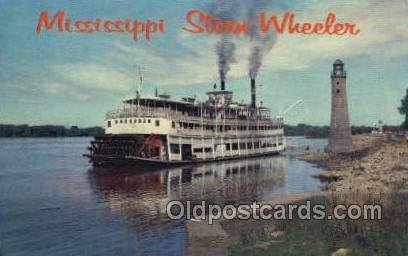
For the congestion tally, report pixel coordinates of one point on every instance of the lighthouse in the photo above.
(340, 140)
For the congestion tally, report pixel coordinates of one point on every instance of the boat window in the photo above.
(234, 146)
(144, 120)
(116, 121)
(109, 123)
(249, 145)
(121, 121)
(125, 121)
(149, 121)
(175, 148)
(208, 150)
(228, 146)
(173, 124)
(140, 121)
(157, 122)
(198, 150)
(242, 145)
(130, 120)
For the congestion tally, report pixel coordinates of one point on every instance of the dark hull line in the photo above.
(110, 160)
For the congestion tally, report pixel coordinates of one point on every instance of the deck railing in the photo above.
(180, 117)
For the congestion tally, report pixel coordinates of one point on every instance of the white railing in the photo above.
(179, 117)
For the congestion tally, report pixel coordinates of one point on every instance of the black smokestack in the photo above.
(253, 93)
(222, 85)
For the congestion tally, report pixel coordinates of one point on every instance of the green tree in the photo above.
(403, 109)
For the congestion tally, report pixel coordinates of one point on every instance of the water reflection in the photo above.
(54, 205)
(139, 195)
(146, 192)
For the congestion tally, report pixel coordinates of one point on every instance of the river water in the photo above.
(52, 202)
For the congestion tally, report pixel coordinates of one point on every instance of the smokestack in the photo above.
(223, 85)
(253, 93)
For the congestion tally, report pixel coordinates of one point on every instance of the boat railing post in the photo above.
(202, 129)
(168, 148)
(213, 147)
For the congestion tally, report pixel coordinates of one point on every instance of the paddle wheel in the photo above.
(116, 148)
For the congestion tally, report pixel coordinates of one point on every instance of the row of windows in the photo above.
(221, 127)
(250, 145)
(134, 121)
(195, 126)
(175, 148)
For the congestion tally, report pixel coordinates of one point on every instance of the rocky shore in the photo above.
(378, 164)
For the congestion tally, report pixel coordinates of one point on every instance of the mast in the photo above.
(139, 87)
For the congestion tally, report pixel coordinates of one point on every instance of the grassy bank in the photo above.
(388, 236)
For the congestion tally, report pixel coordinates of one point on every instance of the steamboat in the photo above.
(160, 130)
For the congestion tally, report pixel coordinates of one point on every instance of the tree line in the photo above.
(10, 131)
(311, 131)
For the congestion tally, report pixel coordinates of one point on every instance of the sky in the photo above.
(75, 78)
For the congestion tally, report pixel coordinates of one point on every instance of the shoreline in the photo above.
(239, 237)
(376, 172)
(380, 163)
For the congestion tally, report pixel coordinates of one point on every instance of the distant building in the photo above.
(378, 128)
(340, 140)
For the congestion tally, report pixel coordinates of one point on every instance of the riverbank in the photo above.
(380, 163)
(327, 236)
(383, 233)
(376, 173)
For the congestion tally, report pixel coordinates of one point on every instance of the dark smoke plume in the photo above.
(225, 52)
(225, 10)
(261, 43)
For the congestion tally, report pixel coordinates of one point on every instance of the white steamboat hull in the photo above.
(177, 150)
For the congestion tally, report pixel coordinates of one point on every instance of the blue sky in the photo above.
(73, 79)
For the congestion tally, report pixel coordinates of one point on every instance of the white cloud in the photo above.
(79, 80)
(93, 76)
(380, 23)
(61, 89)
(196, 68)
